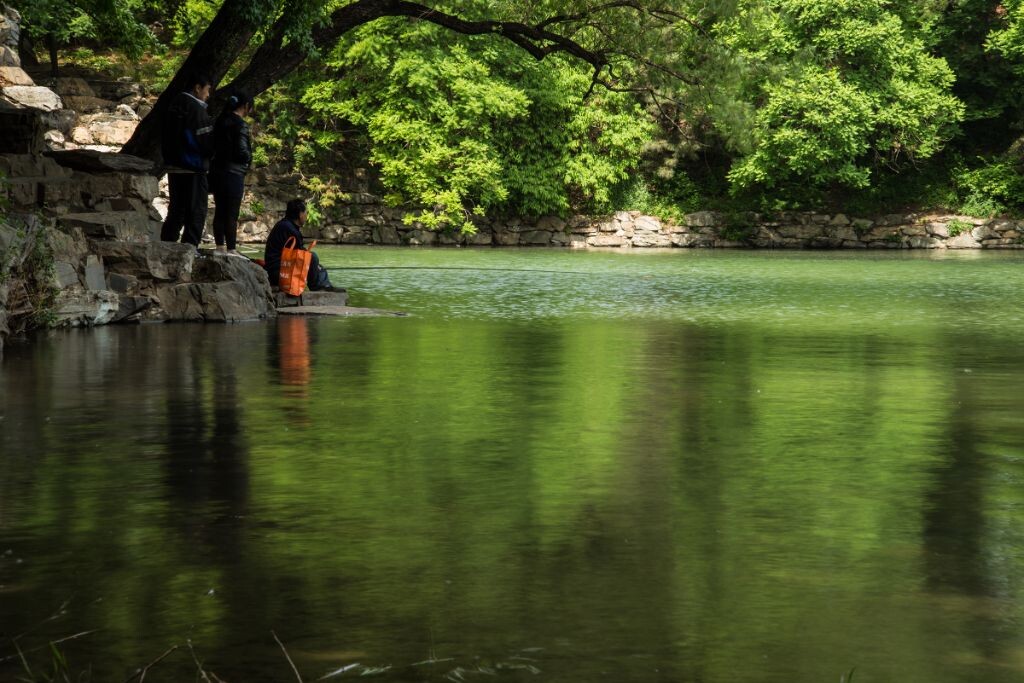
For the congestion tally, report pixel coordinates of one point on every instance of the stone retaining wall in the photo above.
(368, 222)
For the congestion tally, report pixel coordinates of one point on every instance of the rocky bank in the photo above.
(78, 225)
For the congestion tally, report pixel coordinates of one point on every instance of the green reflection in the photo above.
(754, 489)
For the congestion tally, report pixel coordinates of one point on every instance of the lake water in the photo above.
(690, 466)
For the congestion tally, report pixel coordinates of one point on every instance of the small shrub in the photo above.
(957, 226)
(995, 188)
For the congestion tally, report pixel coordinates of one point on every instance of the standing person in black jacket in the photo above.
(295, 216)
(232, 155)
(187, 142)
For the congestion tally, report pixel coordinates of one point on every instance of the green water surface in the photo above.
(562, 466)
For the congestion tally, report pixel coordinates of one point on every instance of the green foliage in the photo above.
(995, 187)
(957, 226)
(839, 89)
(463, 126)
(112, 22)
(28, 262)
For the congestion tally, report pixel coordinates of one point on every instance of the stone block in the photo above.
(140, 186)
(551, 224)
(67, 246)
(700, 219)
(842, 232)
(63, 120)
(93, 161)
(32, 96)
(9, 57)
(481, 238)
(984, 232)
(840, 220)
(606, 240)
(1002, 225)
(356, 236)
(65, 275)
(123, 284)
(131, 307)
(535, 238)
(646, 224)
(964, 240)
(1001, 243)
(119, 225)
(95, 273)
(14, 75)
(85, 104)
(75, 307)
(577, 241)
(421, 237)
(651, 240)
(385, 234)
(924, 242)
(72, 85)
(150, 261)
(506, 238)
(111, 131)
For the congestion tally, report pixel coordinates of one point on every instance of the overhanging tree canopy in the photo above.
(596, 34)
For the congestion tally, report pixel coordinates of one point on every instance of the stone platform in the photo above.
(324, 303)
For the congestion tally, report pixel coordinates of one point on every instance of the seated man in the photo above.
(290, 226)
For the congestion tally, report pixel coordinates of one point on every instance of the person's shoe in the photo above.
(235, 252)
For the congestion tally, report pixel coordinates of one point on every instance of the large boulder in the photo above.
(32, 97)
(164, 281)
(224, 289)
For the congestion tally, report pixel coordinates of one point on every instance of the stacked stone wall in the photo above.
(364, 220)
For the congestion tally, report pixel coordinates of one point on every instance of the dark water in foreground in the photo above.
(708, 467)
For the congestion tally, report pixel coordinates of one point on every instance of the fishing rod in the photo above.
(496, 270)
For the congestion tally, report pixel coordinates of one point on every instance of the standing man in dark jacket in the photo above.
(232, 155)
(295, 216)
(187, 142)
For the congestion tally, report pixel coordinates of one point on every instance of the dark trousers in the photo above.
(187, 208)
(316, 278)
(228, 189)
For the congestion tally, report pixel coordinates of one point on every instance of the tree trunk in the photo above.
(213, 54)
(26, 50)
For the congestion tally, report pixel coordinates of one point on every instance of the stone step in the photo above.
(309, 298)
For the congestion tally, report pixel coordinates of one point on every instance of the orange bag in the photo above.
(294, 268)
